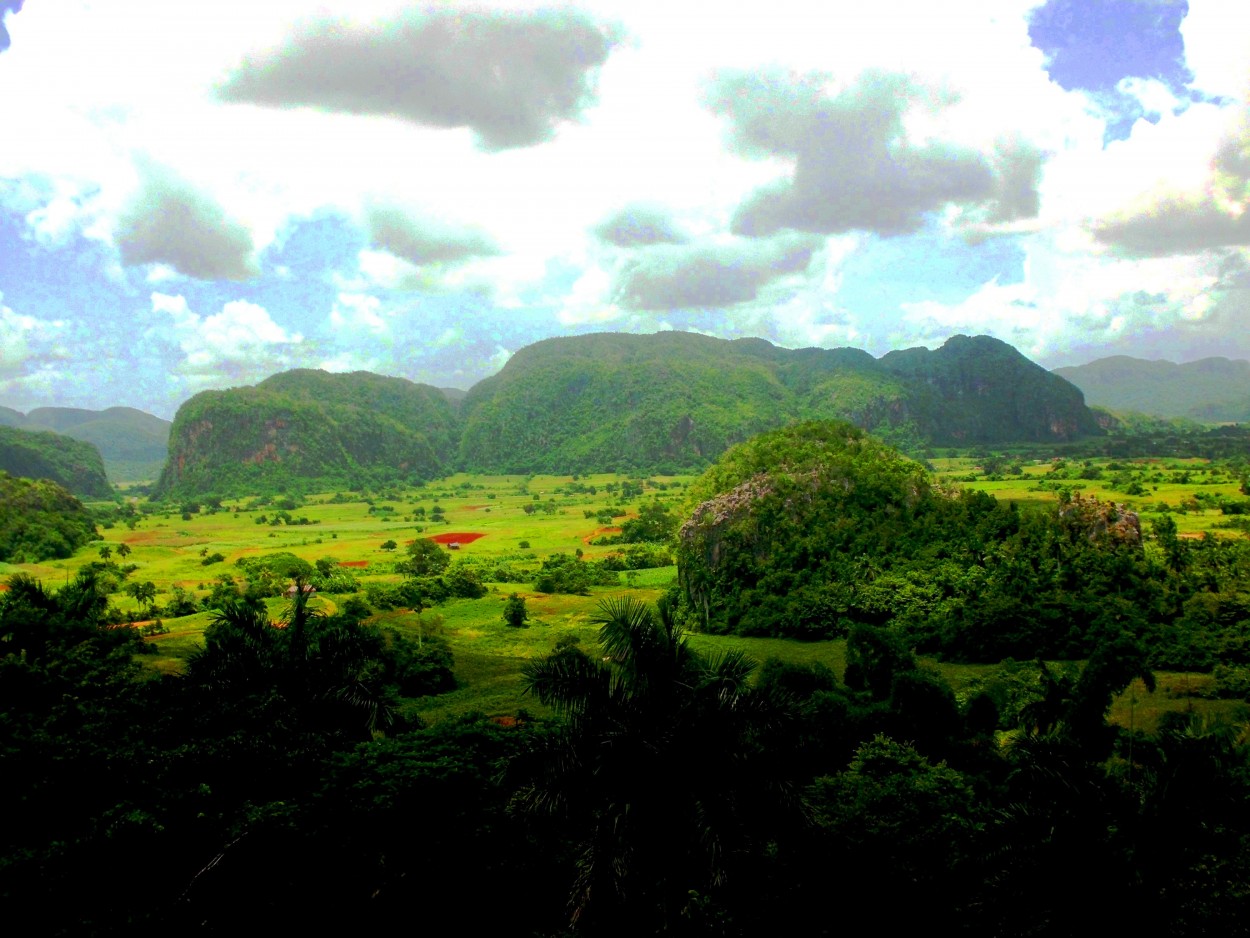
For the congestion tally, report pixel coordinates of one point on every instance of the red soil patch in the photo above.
(455, 538)
(474, 507)
(4, 587)
(353, 563)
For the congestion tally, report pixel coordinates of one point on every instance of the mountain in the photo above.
(40, 519)
(605, 401)
(11, 418)
(309, 428)
(981, 390)
(41, 454)
(676, 400)
(1215, 390)
(134, 444)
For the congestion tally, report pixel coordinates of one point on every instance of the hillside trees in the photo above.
(815, 530)
(40, 520)
(73, 464)
(663, 767)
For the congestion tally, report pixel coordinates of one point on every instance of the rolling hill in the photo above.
(133, 443)
(1215, 390)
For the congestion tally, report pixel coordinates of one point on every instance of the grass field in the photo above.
(524, 519)
(1189, 489)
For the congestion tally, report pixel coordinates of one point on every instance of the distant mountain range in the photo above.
(133, 444)
(663, 402)
(1212, 390)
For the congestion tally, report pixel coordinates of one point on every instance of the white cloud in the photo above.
(628, 199)
(26, 341)
(241, 342)
(1068, 300)
(1215, 34)
(355, 312)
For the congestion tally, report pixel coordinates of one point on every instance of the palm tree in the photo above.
(662, 767)
(317, 665)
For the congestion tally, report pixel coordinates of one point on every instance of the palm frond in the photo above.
(567, 681)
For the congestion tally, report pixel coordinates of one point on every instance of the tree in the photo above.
(514, 611)
(654, 523)
(389, 545)
(663, 768)
(106, 552)
(144, 593)
(426, 558)
(123, 551)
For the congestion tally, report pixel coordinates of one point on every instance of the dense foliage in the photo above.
(302, 429)
(70, 463)
(40, 520)
(676, 400)
(810, 531)
(675, 792)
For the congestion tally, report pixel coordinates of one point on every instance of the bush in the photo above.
(464, 581)
(564, 573)
(514, 611)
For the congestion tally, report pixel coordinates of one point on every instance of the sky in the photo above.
(199, 195)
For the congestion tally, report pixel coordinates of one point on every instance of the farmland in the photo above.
(516, 521)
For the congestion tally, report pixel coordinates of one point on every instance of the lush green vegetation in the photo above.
(42, 455)
(676, 400)
(814, 530)
(40, 520)
(304, 430)
(265, 756)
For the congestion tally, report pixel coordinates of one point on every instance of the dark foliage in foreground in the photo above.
(676, 794)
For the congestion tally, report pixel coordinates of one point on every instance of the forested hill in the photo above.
(602, 402)
(133, 443)
(71, 463)
(1211, 390)
(309, 427)
(675, 400)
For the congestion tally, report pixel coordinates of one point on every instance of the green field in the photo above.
(1188, 489)
(168, 548)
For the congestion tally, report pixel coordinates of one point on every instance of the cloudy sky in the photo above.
(199, 195)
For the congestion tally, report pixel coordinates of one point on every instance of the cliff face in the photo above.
(309, 427)
(981, 390)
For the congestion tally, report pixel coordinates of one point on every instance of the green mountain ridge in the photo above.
(665, 402)
(133, 444)
(42, 454)
(1214, 390)
(676, 400)
(40, 519)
